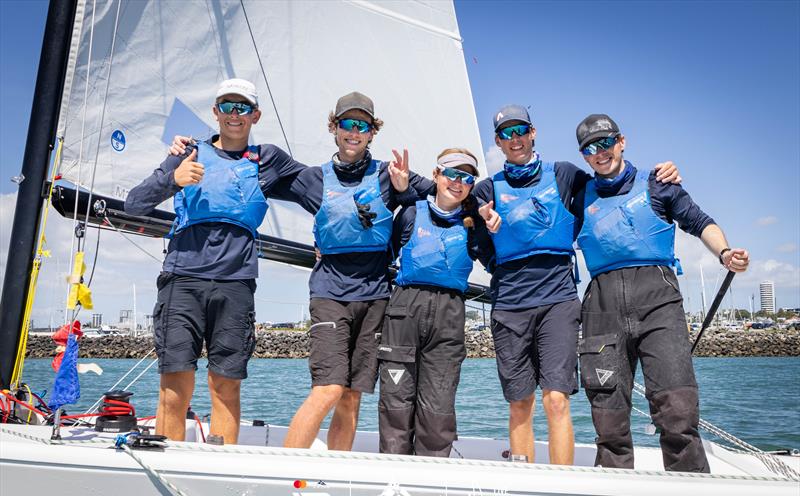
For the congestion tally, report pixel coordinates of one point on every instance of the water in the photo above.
(756, 399)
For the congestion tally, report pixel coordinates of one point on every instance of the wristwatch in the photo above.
(722, 252)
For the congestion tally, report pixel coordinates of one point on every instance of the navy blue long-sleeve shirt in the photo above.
(669, 201)
(351, 276)
(538, 279)
(214, 250)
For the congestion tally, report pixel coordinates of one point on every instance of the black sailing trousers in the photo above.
(636, 314)
(420, 355)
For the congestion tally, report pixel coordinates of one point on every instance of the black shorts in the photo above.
(344, 342)
(537, 346)
(190, 311)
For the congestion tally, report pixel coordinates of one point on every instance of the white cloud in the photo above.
(787, 248)
(767, 221)
(494, 160)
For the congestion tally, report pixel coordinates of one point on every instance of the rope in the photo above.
(108, 221)
(773, 463)
(266, 81)
(19, 361)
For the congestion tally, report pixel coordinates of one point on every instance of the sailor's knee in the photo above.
(556, 404)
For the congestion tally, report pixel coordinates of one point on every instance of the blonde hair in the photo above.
(469, 206)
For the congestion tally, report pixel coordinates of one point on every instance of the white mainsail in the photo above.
(169, 56)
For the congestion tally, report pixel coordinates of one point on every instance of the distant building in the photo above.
(767, 290)
(97, 320)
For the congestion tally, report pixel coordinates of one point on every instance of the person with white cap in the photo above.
(206, 287)
(535, 306)
(422, 343)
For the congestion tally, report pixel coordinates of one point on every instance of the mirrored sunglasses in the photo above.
(242, 108)
(508, 132)
(357, 124)
(599, 145)
(454, 174)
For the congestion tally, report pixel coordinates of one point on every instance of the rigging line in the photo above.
(108, 221)
(80, 148)
(96, 256)
(103, 113)
(93, 408)
(264, 74)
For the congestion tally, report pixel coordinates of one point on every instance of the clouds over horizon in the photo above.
(766, 221)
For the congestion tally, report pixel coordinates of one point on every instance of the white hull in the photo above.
(86, 463)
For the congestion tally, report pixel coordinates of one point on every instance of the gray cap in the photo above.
(354, 100)
(511, 113)
(595, 127)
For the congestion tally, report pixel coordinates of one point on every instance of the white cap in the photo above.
(239, 87)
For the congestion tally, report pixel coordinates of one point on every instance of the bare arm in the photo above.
(734, 259)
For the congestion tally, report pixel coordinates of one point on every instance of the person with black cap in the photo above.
(205, 291)
(536, 311)
(422, 343)
(633, 309)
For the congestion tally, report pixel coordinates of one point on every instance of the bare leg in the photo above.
(305, 424)
(559, 427)
(344, 422)
(520, 427)
(174, 395)
(225, 406)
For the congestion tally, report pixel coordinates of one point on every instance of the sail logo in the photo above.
(603, 375)
(118, 141)
(396, 375)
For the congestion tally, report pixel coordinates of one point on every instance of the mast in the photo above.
(27, 213)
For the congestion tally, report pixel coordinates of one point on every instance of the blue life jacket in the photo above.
(624, 231)
(435, 256)
(535, 220)
(229, 192)
(336, 225)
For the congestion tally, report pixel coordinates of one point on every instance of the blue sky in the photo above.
(712, 86)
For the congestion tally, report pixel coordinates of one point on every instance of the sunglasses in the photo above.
(454, 174)
(241, 108)
(508, 132)
(357, 124)
(599, 145)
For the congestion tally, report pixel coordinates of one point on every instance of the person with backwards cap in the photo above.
(633, 310)
(205, 289)
(535, 306)
(422, 344)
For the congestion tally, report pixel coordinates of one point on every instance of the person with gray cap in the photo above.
(535, 306)
(205, 291)
(422, 343)
(633, 309)
(352, 198)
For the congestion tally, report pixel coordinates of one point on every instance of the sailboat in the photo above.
(117, 79)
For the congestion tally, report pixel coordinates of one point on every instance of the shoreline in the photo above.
(294, 344)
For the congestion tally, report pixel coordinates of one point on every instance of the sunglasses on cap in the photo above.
(242, 108)
(599, 145)
(454, 174)
(357, 124)
(508, 132)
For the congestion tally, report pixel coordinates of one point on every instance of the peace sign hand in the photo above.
(398, 171)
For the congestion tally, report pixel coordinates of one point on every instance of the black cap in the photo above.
(352, 101)
(595, 127)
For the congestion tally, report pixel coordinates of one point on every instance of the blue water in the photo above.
(757, 399)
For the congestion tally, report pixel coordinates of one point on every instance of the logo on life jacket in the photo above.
(422, 232)
(506, 197)
(593, 209)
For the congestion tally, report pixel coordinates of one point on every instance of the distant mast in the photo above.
(703, 292)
